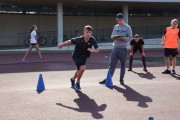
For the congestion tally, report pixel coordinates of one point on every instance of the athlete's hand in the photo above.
(60, 45)
(162, 43)
(143, 54)
(119, 37)
(131, 54)
(90, 49)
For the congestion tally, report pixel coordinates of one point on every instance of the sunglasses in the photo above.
(136, 36)
(118, 19)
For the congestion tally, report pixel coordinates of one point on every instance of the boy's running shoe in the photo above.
(77, 86)
(72, 83)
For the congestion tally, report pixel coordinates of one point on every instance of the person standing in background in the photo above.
(137, 44)
(170, 41)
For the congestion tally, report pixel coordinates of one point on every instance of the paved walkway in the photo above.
(60, 61)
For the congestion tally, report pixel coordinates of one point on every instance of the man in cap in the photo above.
(121, 35)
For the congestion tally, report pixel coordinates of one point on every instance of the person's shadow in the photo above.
(177, 76)
(132, 95)
(87, 104)
(146, 75)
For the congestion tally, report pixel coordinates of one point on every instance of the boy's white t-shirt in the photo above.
(33, 37)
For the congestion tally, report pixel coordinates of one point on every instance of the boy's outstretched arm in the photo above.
(61, 45)
(93, 50)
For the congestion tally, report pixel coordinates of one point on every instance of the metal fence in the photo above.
(149, 32)
(49, 36)
(101, 35)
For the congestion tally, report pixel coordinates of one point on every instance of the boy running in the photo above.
(170, 40)
(137, 44)
(82, 51)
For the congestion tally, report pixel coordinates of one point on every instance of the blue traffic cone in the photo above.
(109, 82)
(40, 85)
(151, 118)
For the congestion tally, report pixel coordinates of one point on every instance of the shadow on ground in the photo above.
(147, 75)
(86, 104)
(132, 95)
(176, 76)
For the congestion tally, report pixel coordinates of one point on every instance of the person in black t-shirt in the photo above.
(137, 44)
(82, 51)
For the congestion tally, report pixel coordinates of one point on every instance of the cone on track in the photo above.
(151, 118)
(109, 82)
(40, 85)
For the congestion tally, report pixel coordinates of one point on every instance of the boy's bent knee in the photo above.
(83, 67)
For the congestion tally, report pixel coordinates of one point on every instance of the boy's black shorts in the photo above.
(79, 61)
(170, 51)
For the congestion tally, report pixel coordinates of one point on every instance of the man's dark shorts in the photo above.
(79, 61)
(170, 52)
(135, 49)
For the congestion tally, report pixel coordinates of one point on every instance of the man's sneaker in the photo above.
(77, 86)
(130, 69)
(145, 69)
(121, 81)
(173, 72)
(102, 82)
(166, 72)
(72, 83)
